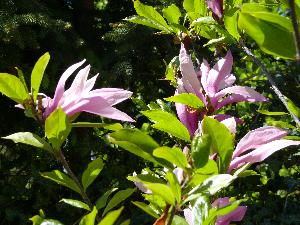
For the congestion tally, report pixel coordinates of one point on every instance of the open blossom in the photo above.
(259, 144)
(235, 215)
(213, 86)
(80, 97)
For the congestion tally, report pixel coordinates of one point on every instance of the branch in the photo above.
(296, 29)
(272, 82)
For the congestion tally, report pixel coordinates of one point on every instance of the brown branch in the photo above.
(272, 82)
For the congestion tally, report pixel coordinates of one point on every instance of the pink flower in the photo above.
(214, 87)
(80, 96)
(259, 144)
(216, 7)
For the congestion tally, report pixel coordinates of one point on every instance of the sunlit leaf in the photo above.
(111, 217)
(188, 99)
(91, 172)
(76, 203)
(89, 219)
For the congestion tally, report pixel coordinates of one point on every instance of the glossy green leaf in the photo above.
(222, 141)
(231, 22)
(29, 139)
(12, 87)
(200, 209)
(174, 185)
(22, 79)
(38, 73)
(268, 113)
(61, 178)
(168, 123)
(293, 107)
(111, 217)
(268, 29)
(112, 127)
(146, 22)
(91, 172)
(178, 220)
(57, 128)
(151, 14)
(173, 155)
(172, 14)
(89, 219)
(101, 202)
(75, 203)
(188, 99)
(200, 150)
(136, 142)
(146, 208)
(163, 191)
(118, 198)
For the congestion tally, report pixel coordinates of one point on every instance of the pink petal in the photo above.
(205, 68)
(227, 82)
(221, 117)
(261, 153)
(230, 124)
(188, 215)
(60, 88)
(90, 84)
(189, 76)
(189, 119)
(216, 7)
(179, 174)
(218, 73)
(257, 137)
(112, 95)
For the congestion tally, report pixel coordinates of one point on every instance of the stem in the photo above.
(62, 159)
(295, 26)
(272, 82)
(171, 216)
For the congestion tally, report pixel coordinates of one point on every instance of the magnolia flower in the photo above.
(259, 144)
(213, 86)
(235, 215)
(216, 7)
(80, 96)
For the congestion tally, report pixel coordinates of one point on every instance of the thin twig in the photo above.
(296, 29)
(272, 82)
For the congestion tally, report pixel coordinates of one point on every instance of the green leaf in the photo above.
(118, 198)
(222, 141)
(178, 220)
(91, 172)
(174, 185)
(151, 14)
(172, 14)
(111, 217)
(173, 155)
(112, 127)
(146, 22)
(61, 178)
(200, 150)
(188, 5)
(51, 222)
(163, 191)
(22, 79)
(168, 123)
(268, 113)
(200, 209)
(36, 220)
(29, 139)
(268, 29)
(126, 222)
(12, 87)
(101, 202)
(231, 22)
(76, 203)
(38, 73)
(171, 71)
(188, 99)
(146, 208)
(89, 219)
(57, 128)
(136, 142)
(293, 107)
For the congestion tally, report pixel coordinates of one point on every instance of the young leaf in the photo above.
(146, 208)
(231, 22)
(221, 139)
(172, 14)
(89, 219)
(268, 113)
(22, 79)
(91, 172)
(57, 128)
(188, 99)
(171, 70)
(146, 22)
(163, 191)
(101, 202)
(38, 72)
(118, 198)
(200, 209)
(76, 203)
(111, 217)
(168, 123)
(29, 139)
(268, 29)
(150, 13)
(178, 220)
(12, 87)
(61, 178)
(174, 185)
(200, 150)
(173, 155)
